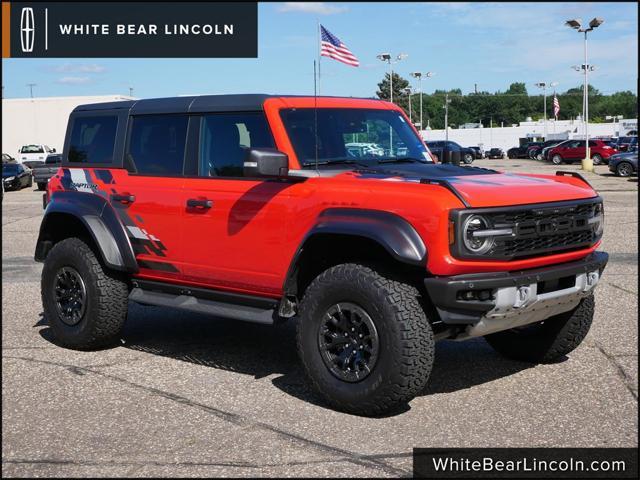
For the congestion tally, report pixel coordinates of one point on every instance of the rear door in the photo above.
(148, 194)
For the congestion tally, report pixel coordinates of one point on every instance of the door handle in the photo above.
(124, 198)
(203, 204)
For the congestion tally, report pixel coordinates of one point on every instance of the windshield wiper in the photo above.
(401, 160)
(338, 161)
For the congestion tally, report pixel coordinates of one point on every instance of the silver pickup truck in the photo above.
(42, 173)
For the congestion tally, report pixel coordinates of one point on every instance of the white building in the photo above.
(507, 137)
(41, 120)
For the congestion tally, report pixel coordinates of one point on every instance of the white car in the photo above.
(34, 152)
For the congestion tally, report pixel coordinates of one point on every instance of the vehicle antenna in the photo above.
(315, 111)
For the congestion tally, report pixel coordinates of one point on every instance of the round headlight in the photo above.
(474, 244)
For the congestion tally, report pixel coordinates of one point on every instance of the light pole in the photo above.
(386, 57)
(446, 115)
(419, 76)
(543, 86)
(31, 85)
(587, 163)
(408, 91)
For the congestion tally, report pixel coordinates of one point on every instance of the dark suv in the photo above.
(441, 147)
(522, 151)
(258, 208)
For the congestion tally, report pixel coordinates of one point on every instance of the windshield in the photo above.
(352, 135)
(53, 159)
(32, 149)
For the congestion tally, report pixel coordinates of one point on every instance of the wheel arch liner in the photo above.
(100, 220)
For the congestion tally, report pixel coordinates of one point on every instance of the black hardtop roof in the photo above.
(197, 103)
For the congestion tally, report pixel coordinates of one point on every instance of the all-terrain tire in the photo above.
(548, 341)
(406, 340)
(42, 186)
(106, 297)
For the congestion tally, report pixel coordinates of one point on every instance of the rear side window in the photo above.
(157, 143)
(53, 159)
(93, 139)
(225, 139)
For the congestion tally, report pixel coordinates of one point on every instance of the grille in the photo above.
(545, 230)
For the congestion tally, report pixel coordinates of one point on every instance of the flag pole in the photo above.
(319, 51)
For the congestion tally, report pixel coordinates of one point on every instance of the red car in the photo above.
(256, 208)
(569, 152)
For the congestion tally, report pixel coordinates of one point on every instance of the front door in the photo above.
(234, 226)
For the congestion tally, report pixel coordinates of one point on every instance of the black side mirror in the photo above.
(266, 162)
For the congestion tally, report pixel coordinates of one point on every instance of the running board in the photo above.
(210, 302)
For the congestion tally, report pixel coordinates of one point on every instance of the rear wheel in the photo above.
(547, 341)
(42, 186)
(556, 159)
(624, 169)
(468, 158)
(364, 339)
(85, 305)
(597, 159)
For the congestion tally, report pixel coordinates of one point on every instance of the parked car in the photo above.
(16, 176)
(574, 150)
(42, 173)
(375, 257)
(32, 152)
(535, 152)
(624, 143)
(624, 164)
(31, 164)
(6, 158)
(438, 147)
(495, 153)
(479, 152)
(521, 151)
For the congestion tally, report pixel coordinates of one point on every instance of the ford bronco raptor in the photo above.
(255, 208)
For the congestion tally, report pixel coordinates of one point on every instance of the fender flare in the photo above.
(100, 220)
(395, 234)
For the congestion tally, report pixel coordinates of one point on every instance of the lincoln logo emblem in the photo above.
(27, 32)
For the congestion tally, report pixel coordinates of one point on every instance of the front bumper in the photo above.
(490, 302)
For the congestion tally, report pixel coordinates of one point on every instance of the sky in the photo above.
(488, 44)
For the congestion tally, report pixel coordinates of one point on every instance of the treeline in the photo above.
(509, 107)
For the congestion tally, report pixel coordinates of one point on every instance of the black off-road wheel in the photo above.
(548, 341)
(84, 303)
(364, 340)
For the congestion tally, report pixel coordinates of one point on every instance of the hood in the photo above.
(482, 187)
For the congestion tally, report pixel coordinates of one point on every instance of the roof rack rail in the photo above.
(446, 184)
(564, 173)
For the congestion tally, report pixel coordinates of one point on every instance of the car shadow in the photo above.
(263, 351)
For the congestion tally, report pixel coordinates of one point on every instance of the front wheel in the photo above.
(624, 169)
(364, 339)
(597, 159)
(85, 305)
(546, 341)
(468, 158)
(556, 159)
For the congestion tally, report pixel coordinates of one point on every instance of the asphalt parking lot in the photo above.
(189, 395)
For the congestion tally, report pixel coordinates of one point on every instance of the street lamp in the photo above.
(408, 92)
(419, 76)
(543, 86)
(387, 57)
(576, 24)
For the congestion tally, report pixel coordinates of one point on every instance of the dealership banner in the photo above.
(130, 29)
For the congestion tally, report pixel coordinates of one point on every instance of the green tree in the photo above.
(399, 84)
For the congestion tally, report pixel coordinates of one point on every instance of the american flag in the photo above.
(331, 46)
(556, 106)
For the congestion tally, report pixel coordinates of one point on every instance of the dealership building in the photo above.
(44, 120)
